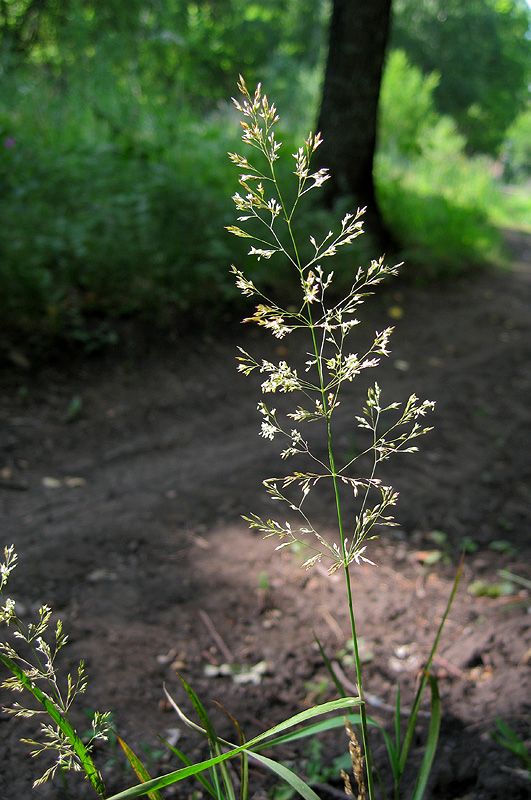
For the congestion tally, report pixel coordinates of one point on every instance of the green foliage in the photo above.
(511, 208)
(57, 735)
(113, 188)
(510, 740)
(110, 224)
(250, 749)
(176, 51)
(403, 123)
(435, 197)
(516, 149)
(482, 52)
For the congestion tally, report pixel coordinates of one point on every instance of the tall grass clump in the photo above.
(323, 324)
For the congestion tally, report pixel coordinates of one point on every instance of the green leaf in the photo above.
(420, 691)
(431, 744)
(287, 775)
(215, 743)
(313, 730)
(201, 713)
(504, 573)
(140, 770)
(509, 739)
(397, 718)
(328, 665)
(184, 758)
(213, 739)
(392, 752)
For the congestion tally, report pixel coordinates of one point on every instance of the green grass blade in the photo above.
(213, 739)
(506, 737)
(185, 772)
(418, 697)
(397, 718)
(225, 775)
(328, 665)
(63, 723)
(201, 713)
(303, 716)
(510, 576)
(215, 781)
(312, 730)
(244, 788)
(140, 770)
(184, 758)
(244, 761)
(392, 753)
(431, 744)
(287, 775)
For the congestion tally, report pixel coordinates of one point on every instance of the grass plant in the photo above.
(32, 666)
(266, 215)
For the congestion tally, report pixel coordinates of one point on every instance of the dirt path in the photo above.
(122, 484)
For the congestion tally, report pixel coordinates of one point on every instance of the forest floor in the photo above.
(122, 484)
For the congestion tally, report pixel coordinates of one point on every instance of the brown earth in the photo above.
(124, 507)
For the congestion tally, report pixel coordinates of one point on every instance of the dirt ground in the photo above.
(123, 481)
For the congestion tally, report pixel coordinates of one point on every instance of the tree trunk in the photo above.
(348, 117)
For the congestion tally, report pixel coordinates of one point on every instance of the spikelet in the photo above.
(358, 762)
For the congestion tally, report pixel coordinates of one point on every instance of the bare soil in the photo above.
(123, 481)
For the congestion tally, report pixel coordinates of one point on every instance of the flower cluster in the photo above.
(331, 364)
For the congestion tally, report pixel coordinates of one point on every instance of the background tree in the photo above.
(348, 117)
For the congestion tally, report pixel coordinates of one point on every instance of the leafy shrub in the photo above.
(435, 197)
(516, 149)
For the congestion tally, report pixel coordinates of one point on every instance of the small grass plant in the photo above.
(32, 668)
(508, 738)
(266, 216)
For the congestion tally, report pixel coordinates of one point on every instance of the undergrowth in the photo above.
(113, 204)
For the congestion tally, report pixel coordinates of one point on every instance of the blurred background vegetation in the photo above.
(115, 121)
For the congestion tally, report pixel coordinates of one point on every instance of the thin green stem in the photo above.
(318, 359)
(357, 660)
(363, 713)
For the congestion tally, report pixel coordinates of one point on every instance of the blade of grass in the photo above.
(510, 576)
(225, 775)
(287, 775)
(200, 711)
(418, 697)
(397, 718)
(431, 744)
(140, 770)
(184, 758)
(506, 737)
(244, 762)
(215, 744)
(328, 665)
(312, 730)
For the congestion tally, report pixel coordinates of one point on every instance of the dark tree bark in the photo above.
(348, 117)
